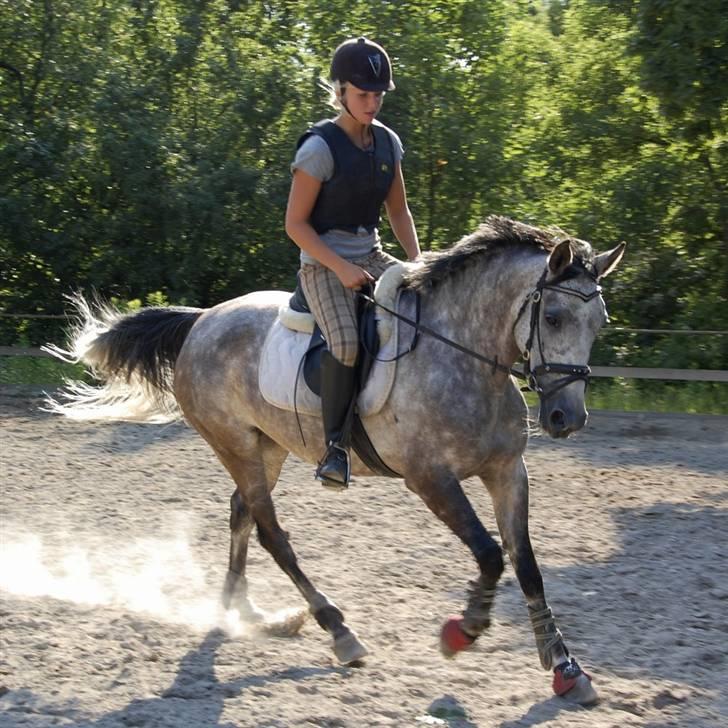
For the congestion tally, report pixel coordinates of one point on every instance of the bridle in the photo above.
(572, 372)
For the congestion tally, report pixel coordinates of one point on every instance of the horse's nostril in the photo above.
(557, 419)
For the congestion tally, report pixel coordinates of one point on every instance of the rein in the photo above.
(421, 328)
(573, 372)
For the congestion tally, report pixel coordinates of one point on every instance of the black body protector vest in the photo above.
(360, 183)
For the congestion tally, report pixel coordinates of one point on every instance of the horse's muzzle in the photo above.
(559, 420)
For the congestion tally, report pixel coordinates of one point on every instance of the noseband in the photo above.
(572, 372)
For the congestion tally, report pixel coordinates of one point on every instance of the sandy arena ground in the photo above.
(114, 545)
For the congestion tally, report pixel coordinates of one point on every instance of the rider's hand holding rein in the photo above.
(352, 276)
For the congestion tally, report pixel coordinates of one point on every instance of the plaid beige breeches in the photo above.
(334, 307)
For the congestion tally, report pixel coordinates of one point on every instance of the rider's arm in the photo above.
(400, 217)
(301, 200)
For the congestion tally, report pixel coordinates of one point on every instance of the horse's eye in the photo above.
(552, 320)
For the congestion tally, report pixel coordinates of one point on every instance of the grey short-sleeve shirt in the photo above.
(314, 157)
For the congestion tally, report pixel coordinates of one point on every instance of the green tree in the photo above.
(145, 145)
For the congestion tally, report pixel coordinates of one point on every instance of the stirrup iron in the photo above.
(334, 470)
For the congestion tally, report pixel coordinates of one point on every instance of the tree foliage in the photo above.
(145, 144)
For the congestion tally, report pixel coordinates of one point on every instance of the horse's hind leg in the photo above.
(255, 475)
(508, 486)
(272, 457)
(274, 539)
(235, 591)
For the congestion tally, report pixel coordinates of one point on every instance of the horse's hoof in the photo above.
(453, 638)
(573, 684)
(349, 650)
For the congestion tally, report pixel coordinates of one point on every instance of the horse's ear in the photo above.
(561, 257)
(605, 263)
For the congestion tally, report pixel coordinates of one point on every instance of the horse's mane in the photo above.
(496, 234)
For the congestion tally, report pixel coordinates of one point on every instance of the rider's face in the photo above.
(363, 105)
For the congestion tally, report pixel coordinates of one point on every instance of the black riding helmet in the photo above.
(363, 63)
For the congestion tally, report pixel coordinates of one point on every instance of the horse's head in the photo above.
(555, 331)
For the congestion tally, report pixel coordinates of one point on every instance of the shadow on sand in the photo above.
(195, 698)
(647, 439)
(654, 610)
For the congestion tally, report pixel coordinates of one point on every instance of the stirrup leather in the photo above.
(334, 469)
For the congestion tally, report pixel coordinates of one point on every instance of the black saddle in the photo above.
(368, 349)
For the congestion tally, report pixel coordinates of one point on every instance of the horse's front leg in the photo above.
(508, 486)
(446, 499)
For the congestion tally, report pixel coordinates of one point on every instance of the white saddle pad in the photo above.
(281, 382)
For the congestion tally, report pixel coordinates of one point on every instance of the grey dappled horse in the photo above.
(506, 291)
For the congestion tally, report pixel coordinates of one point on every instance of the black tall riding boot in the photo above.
(338, 391)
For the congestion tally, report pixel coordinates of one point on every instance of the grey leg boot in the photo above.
(338, 392)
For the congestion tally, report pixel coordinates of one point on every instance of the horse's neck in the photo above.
(481, 307)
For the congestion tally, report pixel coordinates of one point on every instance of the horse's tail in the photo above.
(132, 354)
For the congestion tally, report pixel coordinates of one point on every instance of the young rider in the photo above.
(344, 170)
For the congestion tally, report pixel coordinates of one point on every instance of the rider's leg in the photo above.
(334, 309)
(338, 389)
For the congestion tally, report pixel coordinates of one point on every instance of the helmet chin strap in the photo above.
(365, 127)
(346, 108)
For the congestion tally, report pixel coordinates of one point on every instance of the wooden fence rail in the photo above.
(685, 375)
(23, 351)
